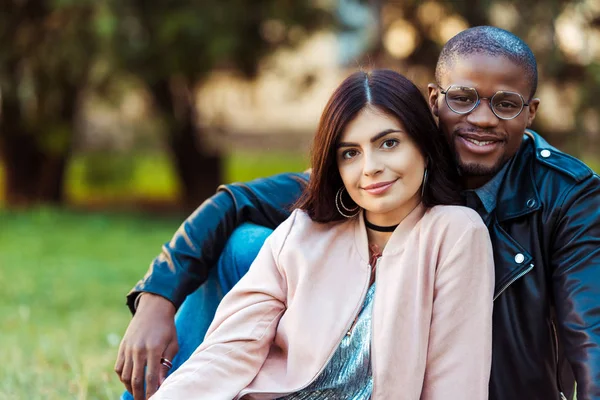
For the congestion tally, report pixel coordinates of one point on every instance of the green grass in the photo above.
(240, 167)
(120, 176)
(64, 277)
(152, 177)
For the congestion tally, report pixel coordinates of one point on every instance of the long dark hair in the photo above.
(392, 93)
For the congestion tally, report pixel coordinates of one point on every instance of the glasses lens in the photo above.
(507, 105)
(461, 99)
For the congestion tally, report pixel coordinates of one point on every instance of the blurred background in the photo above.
(119, 117)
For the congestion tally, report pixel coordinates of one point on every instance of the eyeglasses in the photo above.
(463, 100)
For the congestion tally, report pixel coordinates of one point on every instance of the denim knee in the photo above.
(239, 253)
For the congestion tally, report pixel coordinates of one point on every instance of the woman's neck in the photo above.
(383, 224)
(379, 239)
(395, 216)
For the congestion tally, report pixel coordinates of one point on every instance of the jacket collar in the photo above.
(396, 243)
(518, 195)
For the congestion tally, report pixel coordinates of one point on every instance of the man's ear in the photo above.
(533, 106)
(432, 97)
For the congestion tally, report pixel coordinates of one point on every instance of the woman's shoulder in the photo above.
(303, 225)
(299, 227)
(299, 235)
(454, 217)
(300, 220)
(454, 228)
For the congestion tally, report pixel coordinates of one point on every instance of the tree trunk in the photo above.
(34, 173)
(199, 171)
(31, 175)
(200, 174)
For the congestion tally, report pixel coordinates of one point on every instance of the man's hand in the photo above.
(150, 335)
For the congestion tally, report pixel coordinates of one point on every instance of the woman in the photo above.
(375, 287)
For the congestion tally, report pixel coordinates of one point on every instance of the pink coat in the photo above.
(432, 314)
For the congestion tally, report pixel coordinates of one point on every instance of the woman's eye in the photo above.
(348, 154)
(389, 144)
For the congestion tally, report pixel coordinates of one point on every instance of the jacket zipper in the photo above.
(555, 336)
(348, 326)
(512, 280)
(562, 394)
(372, 353)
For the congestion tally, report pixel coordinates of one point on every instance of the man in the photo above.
(542, 209)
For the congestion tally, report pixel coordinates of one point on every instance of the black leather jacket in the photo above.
(546, 236)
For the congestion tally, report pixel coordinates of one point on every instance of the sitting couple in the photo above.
(375, 282)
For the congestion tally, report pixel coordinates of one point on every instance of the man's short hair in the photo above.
(488, 40)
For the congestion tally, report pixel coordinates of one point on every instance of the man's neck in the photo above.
(475, 182)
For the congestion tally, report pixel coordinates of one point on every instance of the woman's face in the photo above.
(381, 167)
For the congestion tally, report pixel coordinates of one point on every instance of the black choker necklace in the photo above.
(380, 228)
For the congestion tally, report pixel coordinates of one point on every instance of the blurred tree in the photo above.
(47, 51)
(563, 34)
(172, 46)
(54, 50)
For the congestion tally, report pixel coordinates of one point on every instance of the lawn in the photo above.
(151, 176)
(64, 275)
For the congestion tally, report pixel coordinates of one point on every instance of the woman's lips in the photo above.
(378, 188)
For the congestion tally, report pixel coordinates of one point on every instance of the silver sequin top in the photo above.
(348, 374)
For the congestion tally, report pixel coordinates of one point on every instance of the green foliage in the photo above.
(56, 52)
(49, 44)
(157, 39)
(128, 178)
(593, 163)
(103, 170)
(109, 178)
(242, 167)
(45, 45)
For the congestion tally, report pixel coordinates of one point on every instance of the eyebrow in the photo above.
(373, 139)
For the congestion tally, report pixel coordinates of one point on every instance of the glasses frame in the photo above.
(476, 104)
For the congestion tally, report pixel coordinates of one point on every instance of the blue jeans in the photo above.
(198, 310)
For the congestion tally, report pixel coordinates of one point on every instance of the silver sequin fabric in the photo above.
(348, 375)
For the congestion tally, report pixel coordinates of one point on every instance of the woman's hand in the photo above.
(150, 336)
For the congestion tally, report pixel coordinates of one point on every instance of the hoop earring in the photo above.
(339, 205)
(424, 184)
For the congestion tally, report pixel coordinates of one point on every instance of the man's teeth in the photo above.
(478, 142)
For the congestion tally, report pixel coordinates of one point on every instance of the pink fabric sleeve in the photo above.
(460, 342)
(240, 336)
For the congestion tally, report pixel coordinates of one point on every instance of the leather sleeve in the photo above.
(576, 283)
(184, 262)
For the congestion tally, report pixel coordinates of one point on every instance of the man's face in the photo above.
(482, 142)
